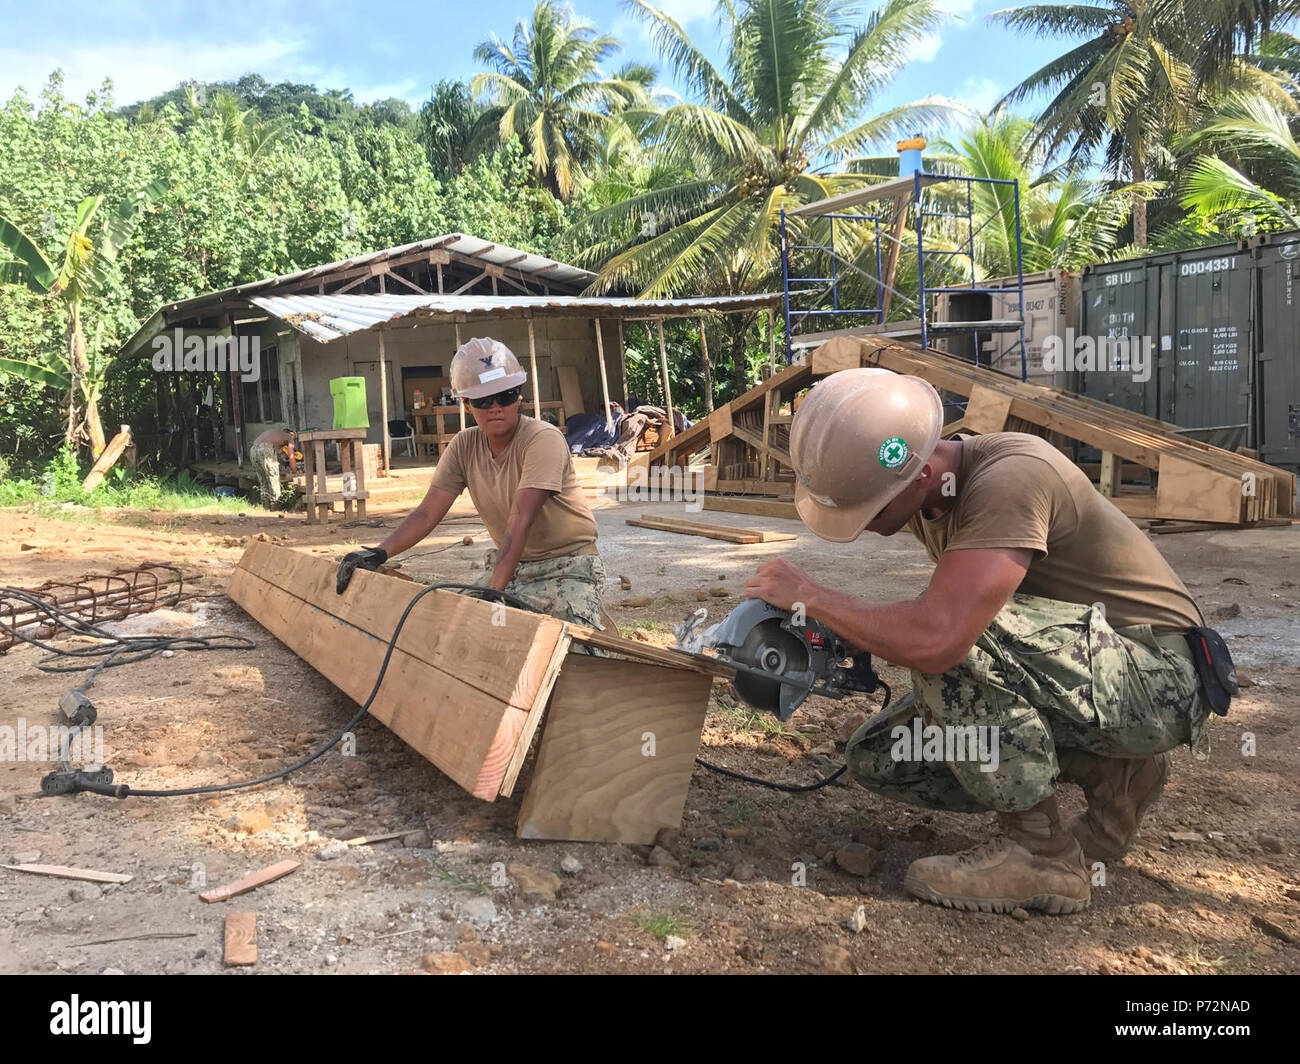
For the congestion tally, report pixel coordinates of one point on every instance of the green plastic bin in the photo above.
(349, 394)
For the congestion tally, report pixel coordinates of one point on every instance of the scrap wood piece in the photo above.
(252, 881)
(241, 939)
(700, 528)
(370, 840)
(90, 875)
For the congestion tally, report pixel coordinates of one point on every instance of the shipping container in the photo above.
(1277, 351)
(1051, 305)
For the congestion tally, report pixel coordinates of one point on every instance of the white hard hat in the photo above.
(859, 438)
(484, 366)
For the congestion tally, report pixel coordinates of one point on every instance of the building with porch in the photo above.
(396, 317)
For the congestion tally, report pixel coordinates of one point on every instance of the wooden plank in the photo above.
(647, 654)
(89, 875)
(703, 526)
(241, 939)
(570, 390)
(1109, 477)
(252, 881)
(720, 423)
(1190, 492)
(535, 711)
(755, 440)
(446, 630)
(685, 529)
(466, 733)
(616, 758)
(986, 411)
(756, 507)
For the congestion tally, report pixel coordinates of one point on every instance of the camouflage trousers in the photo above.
(266, 466)
(568, 587)
(1045, 675)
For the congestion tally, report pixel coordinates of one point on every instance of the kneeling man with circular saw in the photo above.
(1050, 623)
(520, 476)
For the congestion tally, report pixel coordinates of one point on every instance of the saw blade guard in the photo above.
(779, 667)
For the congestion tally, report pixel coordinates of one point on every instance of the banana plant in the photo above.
(80, 276)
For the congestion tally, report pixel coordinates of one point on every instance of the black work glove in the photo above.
(371, 558)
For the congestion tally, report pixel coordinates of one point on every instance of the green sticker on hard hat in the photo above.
(893, 452)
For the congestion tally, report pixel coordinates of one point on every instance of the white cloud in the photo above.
(979, 93)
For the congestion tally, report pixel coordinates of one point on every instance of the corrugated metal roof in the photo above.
(326, 318)
(472, 247)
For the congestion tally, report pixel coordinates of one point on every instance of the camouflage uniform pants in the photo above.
(1047, 675)
(267, 469)
(568, 587)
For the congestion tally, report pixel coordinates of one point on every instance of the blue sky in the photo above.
(400, 48)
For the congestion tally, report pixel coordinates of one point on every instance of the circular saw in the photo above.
(779, 658)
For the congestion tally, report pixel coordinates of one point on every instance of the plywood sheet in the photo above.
(597, 776)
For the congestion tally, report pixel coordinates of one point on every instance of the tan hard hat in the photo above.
(858, 439)
(484, 366)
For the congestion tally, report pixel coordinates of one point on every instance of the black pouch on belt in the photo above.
(1214, 667)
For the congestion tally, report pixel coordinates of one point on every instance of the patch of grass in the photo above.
(739, 810)
(454, 879)
(660, 924)
(1238, 964)
(743, 718)
(650, 626)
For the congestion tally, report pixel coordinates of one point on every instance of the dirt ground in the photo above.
(1212, 886)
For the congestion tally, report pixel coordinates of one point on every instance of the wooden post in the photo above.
(771, 341)
(459, 402)
(532, 361)
(668, 395)
(622, 362)
(604, 382)
(383, 398)
(891, 254)
(1109, 481)
(708, 369)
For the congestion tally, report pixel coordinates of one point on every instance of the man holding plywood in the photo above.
(520, 476)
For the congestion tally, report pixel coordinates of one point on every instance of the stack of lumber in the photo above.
(749, 438)
(727, 533)
(1196, 481)
(470, 683)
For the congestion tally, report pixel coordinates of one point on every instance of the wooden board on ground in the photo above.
(756, 507)
(728, 533)
(241, 939)
(616, 758)
(252, 881)
(89, 875)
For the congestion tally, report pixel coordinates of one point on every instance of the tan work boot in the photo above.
(1037, 864)
(1119, 792)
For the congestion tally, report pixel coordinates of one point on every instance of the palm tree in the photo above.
(548, 90)
(1123, 91)
(447, 126)
(81, 276)
(800, 74)
(1066, 220)
(1252, 181)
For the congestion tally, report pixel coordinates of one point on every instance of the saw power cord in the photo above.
(112, 651)
(789, 788)
(137, 648)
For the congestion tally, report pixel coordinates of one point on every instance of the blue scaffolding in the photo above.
(826, 298)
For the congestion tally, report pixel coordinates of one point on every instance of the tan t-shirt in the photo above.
(1017, 490)
(538, 457)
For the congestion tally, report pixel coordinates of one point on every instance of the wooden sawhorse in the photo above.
(319, 499)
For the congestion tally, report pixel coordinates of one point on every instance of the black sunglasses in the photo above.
(507, 398)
